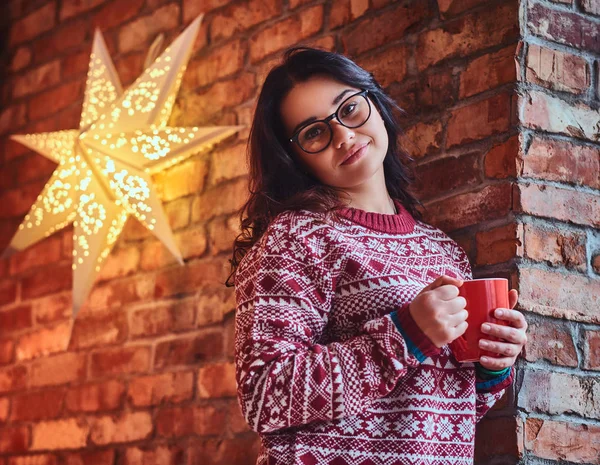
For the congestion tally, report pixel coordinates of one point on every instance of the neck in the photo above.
(371, 196)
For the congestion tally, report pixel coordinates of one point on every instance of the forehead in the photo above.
(313, 97)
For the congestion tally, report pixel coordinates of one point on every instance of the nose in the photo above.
(341, 134)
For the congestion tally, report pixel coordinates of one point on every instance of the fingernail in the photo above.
(483, 359)
(485, 327)
(483, 343)
(499, 312)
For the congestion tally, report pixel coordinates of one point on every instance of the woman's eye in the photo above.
(312, 133)
(348, 109)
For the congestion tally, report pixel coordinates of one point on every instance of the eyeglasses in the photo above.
(352, 113)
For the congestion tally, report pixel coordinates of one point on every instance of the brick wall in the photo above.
(147, 374)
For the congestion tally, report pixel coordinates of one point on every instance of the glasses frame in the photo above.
(294, 138)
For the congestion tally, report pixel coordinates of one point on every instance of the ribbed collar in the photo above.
(401, 222)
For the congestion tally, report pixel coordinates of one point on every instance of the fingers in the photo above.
(513, 297)
(516, 318)
(508, 333)
(447, 292)
(501, 348)
(458, 318)
(442, 281)
(496, 363)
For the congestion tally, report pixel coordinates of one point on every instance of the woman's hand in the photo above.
(439, 311)
(513, 336)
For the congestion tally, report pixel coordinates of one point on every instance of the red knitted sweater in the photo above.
(331, 367)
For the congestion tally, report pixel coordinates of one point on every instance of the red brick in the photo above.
(20, 59)
(550, 340)
(228, 163)
(14, 439)
(563, 161)
(225, 199)
(101, 457)
(17, 202)
(182, 180)
(562, 441)
(462, 210)
(75, 64)
(13, 149)
(557, 70)
(198, 109)
(559, 295)
(11, 118)
(488, 72)
(555, 246)
(450, 8)
(183, 421)
(178, 213)
(43, 341)
(590, 6)
(156, 389)
(218, 63)
(444, 175)
(435, 90)
(214, 301)
(343, 11)
(596, 263)
(13, 378)
(32, 167)
(127, 428)
(130, 67)
(390, 25)
(115, 12)
(95, 397)
(120, 292)
(38, 459)
(16, 319)
(500, 244)
(52, 308)
(163, 318)
(4, 409)
(122, 261)
(469, 34)
(134, 230)
(237, 422)
(123, 360)
(285, 33)
(42, 405)
(560, 393)
(479, 120)
(188, 350)
(563, 27)
(155, 255)
(69, 433)
(502, 160)
(8, 295)
(40, 78)
(47, 280)
(7, 351)
(186, 280)
(71, 8)
(33, 25)
(241, 450)
(62, 39)
(591, 352)
(551, 114)
(136, 35)
(388, 66)
(496, 437)
(58, 369)
(160, 455)
(192, 8)
(229, 335)
(242, 16)
(217, 380)
(561, 204)
(49, 102)
(222, 232)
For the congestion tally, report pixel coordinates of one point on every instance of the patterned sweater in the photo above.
(330, 366)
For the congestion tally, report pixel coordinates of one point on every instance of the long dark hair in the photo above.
(278, 181)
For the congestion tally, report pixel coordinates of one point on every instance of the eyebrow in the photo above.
(314, 118)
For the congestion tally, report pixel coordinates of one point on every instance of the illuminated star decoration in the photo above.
(105, 167)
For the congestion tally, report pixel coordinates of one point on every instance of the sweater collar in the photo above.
(401, 222)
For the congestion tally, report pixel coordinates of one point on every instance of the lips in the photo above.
(351, 155)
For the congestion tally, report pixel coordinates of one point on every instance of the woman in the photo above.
(346, 301)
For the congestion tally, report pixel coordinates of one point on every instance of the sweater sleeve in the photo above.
(286, 375)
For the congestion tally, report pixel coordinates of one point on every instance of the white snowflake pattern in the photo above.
(425, 381)
(350, 425)
(407, 425)
(428, 426)
(415, 246)
(465, 429)
(445, 428)
(401, 249)
(451, 385)
(377, 426)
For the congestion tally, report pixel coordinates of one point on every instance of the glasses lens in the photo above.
(354, 112)
(314, 137)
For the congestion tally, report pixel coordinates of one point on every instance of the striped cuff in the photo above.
(487, 379)
(417, 342)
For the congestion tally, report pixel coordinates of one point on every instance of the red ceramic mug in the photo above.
(483, 297)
